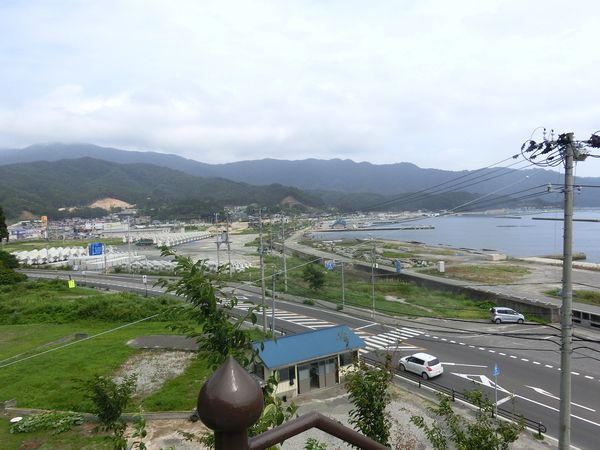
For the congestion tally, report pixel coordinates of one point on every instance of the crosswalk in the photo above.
(391, 340)
(298, 319)
(394, 339)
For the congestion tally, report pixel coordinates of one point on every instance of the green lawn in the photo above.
(51, 380)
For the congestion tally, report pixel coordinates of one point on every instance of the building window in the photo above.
(347, 358)
(259, 371)
(292, 374)
(284, 374)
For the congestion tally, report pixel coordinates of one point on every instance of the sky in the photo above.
(449, 85)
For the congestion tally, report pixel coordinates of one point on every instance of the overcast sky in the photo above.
(444, 84)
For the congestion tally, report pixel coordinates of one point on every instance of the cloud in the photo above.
(451, 85)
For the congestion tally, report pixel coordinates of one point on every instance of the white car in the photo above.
(425, 365)
(501, 314)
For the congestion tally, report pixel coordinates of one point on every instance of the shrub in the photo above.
(9, 260)
(110, 398)
(58, 422)
(9, 276)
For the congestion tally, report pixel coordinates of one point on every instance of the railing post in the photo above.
(229, 403)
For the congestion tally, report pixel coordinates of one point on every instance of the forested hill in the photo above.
(344, 176)
(44, 187)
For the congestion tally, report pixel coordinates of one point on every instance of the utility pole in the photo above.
(218, 240)
(373, 277)
(554, 152)
(566, 322)
(129, 244)
(343, 288)
(273, 277)
(228, 247)
(285, 277)
(262, 270)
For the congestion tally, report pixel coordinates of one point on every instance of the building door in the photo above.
(303, 379)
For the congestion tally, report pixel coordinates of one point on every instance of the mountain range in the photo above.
(336, 182)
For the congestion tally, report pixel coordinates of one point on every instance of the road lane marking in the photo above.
(365, 326)
(460, 364)
(549, 394)
(549, 366)
(504, 400)
(556, 409)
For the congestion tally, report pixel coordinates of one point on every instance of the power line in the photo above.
(78, 341)
(424, 193)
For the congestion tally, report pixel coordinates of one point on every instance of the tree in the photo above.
(219, 332)
(486, 432)
(368, 389)
(3, 228)
(314, 276)
(109, 398)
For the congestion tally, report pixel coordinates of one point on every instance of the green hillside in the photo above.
(44, 187)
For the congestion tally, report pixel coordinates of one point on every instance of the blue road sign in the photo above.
(398, 265)
(330, 265)
(496, 370)
(96, 249)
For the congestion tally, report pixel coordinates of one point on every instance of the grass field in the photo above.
(393, 297)
(45, 354)
(52, 380)
(580, 296)
(488, 274)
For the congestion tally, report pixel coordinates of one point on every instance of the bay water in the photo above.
(514, 234)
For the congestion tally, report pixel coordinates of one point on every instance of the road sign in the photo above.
(71, 284)
(144, 279)
(330, 265)
(496, 370)
(398, 265)
(96, 249)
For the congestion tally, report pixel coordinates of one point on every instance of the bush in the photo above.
(54, 302)
(9, 276)
(110, 398)
(58, 422)
(9, 260)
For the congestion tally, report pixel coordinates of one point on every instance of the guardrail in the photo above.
(454, 394)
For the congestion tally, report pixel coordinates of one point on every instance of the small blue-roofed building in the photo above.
(308, 361)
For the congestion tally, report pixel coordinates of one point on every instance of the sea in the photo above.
(513, 234)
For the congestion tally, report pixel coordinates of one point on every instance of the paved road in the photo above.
(527, 355)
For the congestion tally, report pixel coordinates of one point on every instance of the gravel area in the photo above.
(153, 368)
